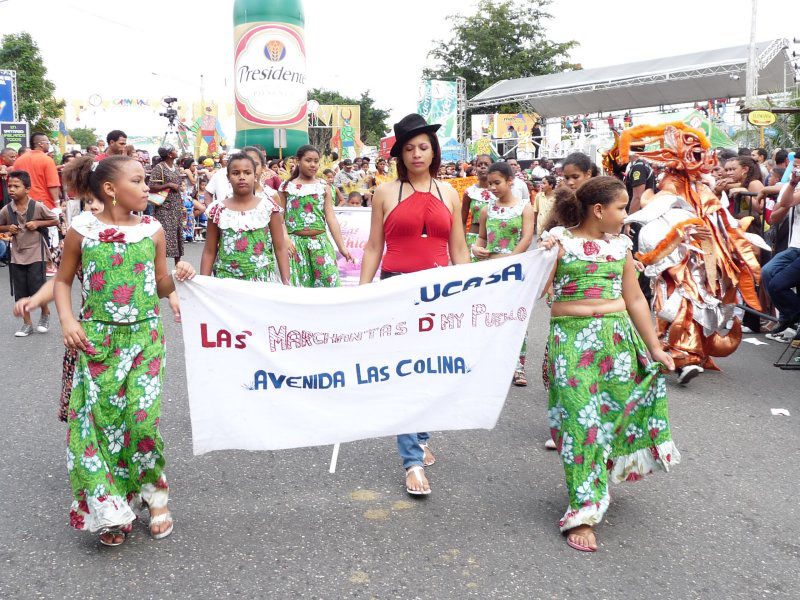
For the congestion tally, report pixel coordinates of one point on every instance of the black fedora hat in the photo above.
(407, 128)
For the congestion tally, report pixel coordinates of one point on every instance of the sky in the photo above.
(154, 48)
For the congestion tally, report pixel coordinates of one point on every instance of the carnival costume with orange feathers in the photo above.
(698, 282)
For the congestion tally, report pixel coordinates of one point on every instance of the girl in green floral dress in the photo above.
(114, 448)
(506, 227)
(476, 197)
(608, 398)
(243, 231)
(309, 210)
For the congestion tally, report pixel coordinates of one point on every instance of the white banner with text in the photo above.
(270, 366)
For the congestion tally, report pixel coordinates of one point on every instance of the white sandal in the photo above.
(113, 532)
(432, 462)
(416, 470)
(158, 520)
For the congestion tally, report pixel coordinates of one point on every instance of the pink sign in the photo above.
(354, 221)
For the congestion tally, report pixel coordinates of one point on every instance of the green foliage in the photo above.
(502, 40)
(373, 119)
(37, 105)
(84, 136)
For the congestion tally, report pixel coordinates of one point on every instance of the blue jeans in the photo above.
(779, 276)
(408, 446)
(3, 247)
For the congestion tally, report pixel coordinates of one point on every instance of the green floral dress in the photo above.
(114, 448)
(305, 209)
(503, 233)
(478, 198)
(504, 227)
(245, 244)
(607, 398)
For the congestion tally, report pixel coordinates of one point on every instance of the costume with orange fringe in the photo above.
(698, 281)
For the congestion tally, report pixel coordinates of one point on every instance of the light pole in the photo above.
(751, 89)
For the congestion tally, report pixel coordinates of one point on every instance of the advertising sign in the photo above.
(386, 146)
(8, 96)
(761, 118)
(270, 82)
(13, 135)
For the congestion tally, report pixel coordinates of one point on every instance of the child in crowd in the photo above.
(244, 236)
(506, 227)
(355, 199)
(27, 222)
(188, 214)
(607, 396)
(543, 203)
(336, 195)
(309, 211)
(115, 451)
(42, 298)
(476, 197)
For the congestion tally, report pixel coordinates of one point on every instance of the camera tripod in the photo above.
(172, 132)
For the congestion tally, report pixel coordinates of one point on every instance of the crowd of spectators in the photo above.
(750, 182)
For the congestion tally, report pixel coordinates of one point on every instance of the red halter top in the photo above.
(416, 233)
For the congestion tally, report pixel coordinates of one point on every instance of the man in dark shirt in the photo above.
(639, 176)
(536, 138)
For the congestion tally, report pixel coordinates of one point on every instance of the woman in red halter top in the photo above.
(418, 218)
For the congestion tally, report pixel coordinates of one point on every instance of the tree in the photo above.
(84, 136)
(373, 119)
(502, 40)
(37, 105)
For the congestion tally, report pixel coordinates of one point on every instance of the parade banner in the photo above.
(495, 126)
(207, 128)
(354, 222)
(345, 124)
(438, 103)
(271, 367)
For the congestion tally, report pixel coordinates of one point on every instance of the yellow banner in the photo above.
(345, 121)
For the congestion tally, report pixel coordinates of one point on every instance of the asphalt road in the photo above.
(723, 524)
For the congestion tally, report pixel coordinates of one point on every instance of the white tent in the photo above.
(673, 80)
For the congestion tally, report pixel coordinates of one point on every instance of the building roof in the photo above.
(719, 73)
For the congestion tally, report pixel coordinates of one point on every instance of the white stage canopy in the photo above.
(706, 75)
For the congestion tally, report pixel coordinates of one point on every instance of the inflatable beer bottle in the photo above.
(270, 73)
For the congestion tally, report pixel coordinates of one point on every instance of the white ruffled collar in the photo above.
(613, 247)
(242, 220)
(294, 188)
(475, 192)
(90, 227)
(506, 212)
